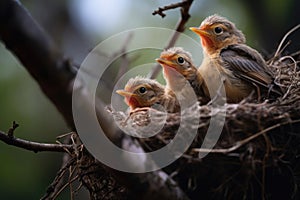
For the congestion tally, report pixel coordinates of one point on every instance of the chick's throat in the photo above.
(132, 102)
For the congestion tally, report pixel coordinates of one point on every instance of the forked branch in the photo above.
(180, 27)
(39, 55)
(34, 146)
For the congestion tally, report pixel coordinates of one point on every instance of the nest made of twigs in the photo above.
(257, 155)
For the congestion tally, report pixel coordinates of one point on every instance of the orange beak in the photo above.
(170, 70)
(124, 93)
(168, 67)
(130, 98)
(204, 35)
(165, 62)
(199, 31)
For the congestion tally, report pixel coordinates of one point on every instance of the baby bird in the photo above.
(178, 67)
(228, 58)
(140, 92)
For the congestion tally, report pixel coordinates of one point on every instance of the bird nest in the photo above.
(257, 155)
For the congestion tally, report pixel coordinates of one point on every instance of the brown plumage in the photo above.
(140, 92)
(178, 68)
(226, 56)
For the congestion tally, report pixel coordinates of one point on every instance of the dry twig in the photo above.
(160, 11)
(11, 130)
(185, 7)
(279, 49)
(241, 143)
(55, 187)
(35, 49)
(34, 146)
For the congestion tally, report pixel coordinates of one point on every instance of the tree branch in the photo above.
(160, 11)
(180, 27)
(34, 146)
(11, 130)
(57, 183)
(39, 55)
(25, 38)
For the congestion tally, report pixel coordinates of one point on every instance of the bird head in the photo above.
(141, 92)
(177, 62)
(217, 32)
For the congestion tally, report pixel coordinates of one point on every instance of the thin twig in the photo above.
(185, 7)
(64, 135)
(282, 41)
(56, 185)
(64, 186)
(34, 49)
(34, 146)
(12, 129)
(79, 187)
(160, 11)
(71, 172)
(293, 76)
(295, 53)
(242, 142)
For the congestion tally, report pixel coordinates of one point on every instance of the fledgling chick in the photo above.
(140, 92)
(176, 58)
(226, 56)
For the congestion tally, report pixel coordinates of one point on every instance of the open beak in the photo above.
(165, 62)
(199, 31)
(130, 98)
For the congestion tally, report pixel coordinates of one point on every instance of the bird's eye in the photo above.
(218, 30)
(142, 90)
(180, 60)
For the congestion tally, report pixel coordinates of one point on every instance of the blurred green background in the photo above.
(76, 26)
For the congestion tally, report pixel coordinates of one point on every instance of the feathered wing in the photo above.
(248, 65)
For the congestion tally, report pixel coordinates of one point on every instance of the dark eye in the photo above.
(142, 90)
(180, 60)
(218, 30)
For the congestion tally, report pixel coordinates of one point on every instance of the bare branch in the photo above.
(160, 11)
(11, 130)
(180, 27)
(34, 146)
(39, 55)
(66, 185)
(57, 184)
(25, 38)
